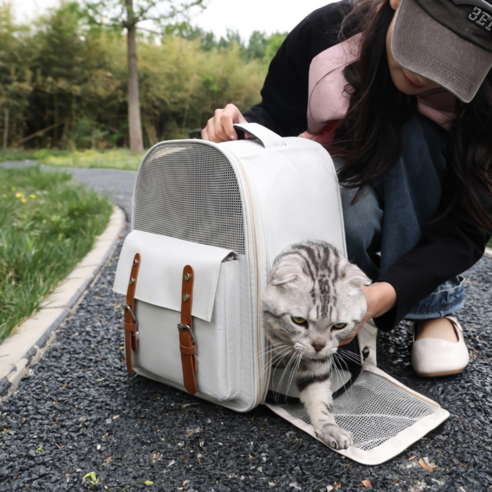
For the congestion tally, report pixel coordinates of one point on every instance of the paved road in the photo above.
(78, 412)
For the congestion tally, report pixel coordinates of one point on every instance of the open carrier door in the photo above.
(384, 416)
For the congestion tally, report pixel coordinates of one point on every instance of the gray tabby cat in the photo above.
(312, 301)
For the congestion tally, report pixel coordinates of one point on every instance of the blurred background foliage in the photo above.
(63, 81)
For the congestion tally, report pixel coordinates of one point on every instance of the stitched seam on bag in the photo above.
(238, 328)
(224, 283)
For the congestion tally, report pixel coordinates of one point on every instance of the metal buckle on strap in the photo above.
(182, 327)
(126, 307)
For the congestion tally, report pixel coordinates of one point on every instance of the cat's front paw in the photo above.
(334, 436)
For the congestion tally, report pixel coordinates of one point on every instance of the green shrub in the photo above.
(48, 224)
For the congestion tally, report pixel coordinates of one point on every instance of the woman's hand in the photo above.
(380, 297)
(220, 128)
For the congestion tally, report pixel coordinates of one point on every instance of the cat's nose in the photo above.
(318, 347)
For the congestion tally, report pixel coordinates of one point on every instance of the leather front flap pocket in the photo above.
(161, 268)
(215, 310)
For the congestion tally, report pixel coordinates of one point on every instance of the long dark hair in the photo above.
(370, 139)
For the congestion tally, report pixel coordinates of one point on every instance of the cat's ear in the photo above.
(355, 276)
(288, 269)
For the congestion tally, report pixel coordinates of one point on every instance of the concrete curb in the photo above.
(488, 253)
(33, 337)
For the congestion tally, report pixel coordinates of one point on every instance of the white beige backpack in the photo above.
(208, 220)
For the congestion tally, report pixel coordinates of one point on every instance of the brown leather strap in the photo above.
(131, 323)
(187, 345)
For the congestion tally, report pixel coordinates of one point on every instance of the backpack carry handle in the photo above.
(266, 137)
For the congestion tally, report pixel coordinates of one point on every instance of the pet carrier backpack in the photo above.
(208, 220)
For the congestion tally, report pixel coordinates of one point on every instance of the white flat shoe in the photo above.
(432, 357)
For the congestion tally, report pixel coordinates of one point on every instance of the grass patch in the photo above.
(48, 224)
(110, 158)
(17, 155)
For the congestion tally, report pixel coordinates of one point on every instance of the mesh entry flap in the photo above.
(384, 416)
(161, 270)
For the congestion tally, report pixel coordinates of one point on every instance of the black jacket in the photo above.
(448, 247)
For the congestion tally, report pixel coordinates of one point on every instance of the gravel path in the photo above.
(78, 412)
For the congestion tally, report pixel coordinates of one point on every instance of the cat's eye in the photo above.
(298, 320)
(339, 326)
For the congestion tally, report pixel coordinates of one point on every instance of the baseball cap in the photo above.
(446, 41)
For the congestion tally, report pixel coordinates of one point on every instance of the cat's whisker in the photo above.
(273, 353)
(340, 373)
(281, 351)
(279, 386)
(271, 348)
(340, 360)
(351, 361)
(348, 391)
(346, 354)
(277, 358)
(273, 345)
(286, 369)
(337, 366)
(268, 352)
(293, 373)
(280, 359)
(336, 369)
(349, 353)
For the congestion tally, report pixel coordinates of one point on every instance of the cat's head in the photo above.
(313, 299)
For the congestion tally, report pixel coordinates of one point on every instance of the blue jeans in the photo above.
(386, 223)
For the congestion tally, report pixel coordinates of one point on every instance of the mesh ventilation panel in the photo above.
(373, 409)
(189, 191)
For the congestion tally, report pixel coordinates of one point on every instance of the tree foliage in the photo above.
(114, 13)
(15, 76)
(64, 79)
(128, 14)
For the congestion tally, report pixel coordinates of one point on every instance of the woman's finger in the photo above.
(211, 131)
(219, 128)
(231, 115)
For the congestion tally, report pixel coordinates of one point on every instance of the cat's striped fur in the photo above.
(314, 283)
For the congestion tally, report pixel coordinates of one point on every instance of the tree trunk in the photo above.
(55, 136)
(71, 140)
(6, 130)
(64, 135)
(134, 119)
